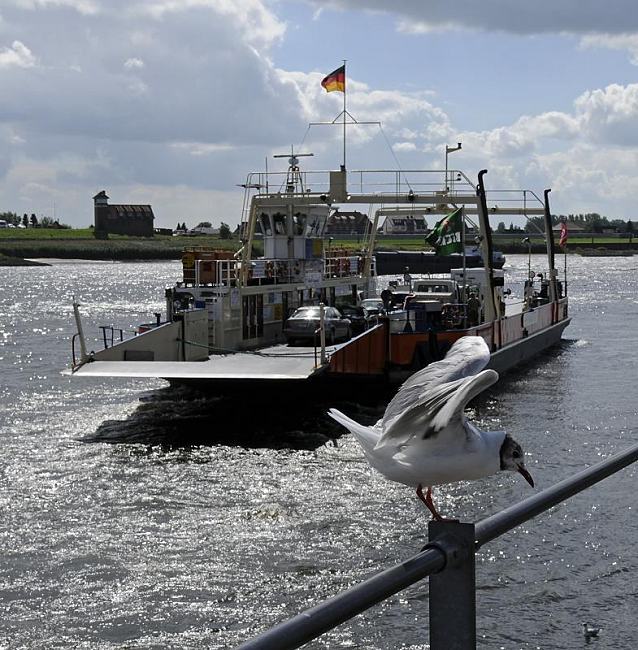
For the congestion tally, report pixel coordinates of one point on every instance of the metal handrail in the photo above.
(433, 558)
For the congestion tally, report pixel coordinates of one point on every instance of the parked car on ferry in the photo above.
(304, 322)
(357, 316)
(372, 306)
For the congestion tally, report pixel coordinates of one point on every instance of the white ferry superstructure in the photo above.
(224, 321)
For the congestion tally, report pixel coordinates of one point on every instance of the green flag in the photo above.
(446, 235)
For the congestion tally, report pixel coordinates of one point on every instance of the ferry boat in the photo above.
(225, 321)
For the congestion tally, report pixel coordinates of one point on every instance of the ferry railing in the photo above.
(449, 561)
(427, 182)
(108, 335)
(289, 271)
(428, 186)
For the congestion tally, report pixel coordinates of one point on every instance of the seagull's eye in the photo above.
(516, 454)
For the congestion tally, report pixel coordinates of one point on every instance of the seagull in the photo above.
(424, 438)
(590, 631)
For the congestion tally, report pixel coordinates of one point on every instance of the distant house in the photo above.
(572, 227)
(348, 223)
(404, 225)
(122, 219)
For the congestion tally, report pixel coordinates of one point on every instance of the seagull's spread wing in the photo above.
(468, 356)
(437, 410)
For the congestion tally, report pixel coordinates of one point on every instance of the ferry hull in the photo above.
(366, 388)
(395, 262)
(360, 369)
(527, 348)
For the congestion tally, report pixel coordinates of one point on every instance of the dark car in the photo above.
(304, 322)
(372, 306)
(357, 316)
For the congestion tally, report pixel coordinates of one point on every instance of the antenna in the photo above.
(293, 159)
(293, 178)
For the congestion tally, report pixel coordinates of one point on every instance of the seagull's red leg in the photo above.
(427, 499)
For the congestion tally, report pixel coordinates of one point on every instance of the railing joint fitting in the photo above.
(442, 549)
(454, 550)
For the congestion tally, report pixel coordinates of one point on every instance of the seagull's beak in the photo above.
(525, 474)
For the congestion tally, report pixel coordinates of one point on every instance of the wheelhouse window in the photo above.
(280, 223)
(299, 222)
(266, 226)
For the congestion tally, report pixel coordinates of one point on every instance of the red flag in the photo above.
(563, 234)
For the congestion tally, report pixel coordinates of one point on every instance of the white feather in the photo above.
(423, 437)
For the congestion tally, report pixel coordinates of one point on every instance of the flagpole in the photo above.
(464, 261)
(345, 88)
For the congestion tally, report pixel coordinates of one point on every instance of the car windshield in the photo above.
(306, 312)
(372, 304)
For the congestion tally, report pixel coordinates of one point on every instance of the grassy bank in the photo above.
(81, 244)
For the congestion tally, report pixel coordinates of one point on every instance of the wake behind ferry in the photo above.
(227, 325)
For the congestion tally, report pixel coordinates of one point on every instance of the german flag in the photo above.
(335, 80)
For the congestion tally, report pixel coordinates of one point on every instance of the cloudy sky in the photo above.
(173, 102)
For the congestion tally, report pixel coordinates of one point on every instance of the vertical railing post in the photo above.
(453, 590)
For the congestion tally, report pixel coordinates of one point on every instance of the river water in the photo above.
(139, 516)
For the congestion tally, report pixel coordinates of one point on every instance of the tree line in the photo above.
(590, 222)
(31, 221)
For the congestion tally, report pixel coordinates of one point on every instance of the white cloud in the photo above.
(17, 55)
(404, 146)
(255, 22)
(408, 120)
(186, 95)
(628, 42)
(87, 7)
(133, 63)
(187, 99)
(610, 115)
(417, 27)
(200, 148)
(588, 157)
(542, 16)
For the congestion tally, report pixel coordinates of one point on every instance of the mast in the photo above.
(549, 238)
(486, 248)
(345, 112)
(464, 297)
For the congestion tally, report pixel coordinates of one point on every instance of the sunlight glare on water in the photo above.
(138, 515)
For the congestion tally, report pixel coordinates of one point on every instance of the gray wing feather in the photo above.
(453, 409)
(468, 356)
(435, 410)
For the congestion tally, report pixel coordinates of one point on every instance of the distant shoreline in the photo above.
(19, 261)
(34, 250)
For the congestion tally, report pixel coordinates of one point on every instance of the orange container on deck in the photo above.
(203, 261)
